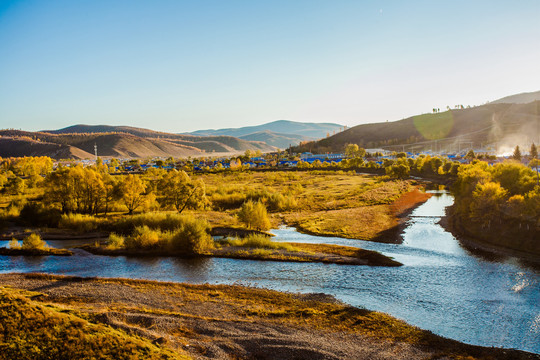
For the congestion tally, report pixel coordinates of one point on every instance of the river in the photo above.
(442, 287)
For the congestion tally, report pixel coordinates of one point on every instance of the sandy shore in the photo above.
(233, 322)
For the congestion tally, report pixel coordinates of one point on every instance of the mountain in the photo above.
(278, 140)
(523, 98)
(497, 126)
(280, 133)
(118, 141)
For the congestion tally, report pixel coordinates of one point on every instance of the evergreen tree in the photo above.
(517, 154)
(534, 151)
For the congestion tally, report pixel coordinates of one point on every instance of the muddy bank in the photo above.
(19, 233)
(35, 252)
(471, 240)
(328, 254)
(234, 322)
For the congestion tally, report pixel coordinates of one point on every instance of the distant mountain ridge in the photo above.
(78, 142)
(280, 133)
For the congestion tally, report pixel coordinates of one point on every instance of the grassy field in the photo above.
(326, 203)
(332, 203)
(34, 330)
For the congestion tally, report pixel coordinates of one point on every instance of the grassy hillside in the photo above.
(523, 98)
(78, 142)
(10, 147)
(496, 124)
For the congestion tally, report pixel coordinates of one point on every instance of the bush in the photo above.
(259, 241)
(227, 201)
(79, 222)
(33, 241)
(159, 221)
(192, 237)
(115, 241)
(279, 202)
(14, 244)
(254, 215)
(143, 237)
(36, 214)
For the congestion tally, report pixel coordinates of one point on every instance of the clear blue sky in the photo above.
(185, 65)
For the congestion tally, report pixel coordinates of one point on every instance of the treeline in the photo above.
(499, 204)
(92, 190)
(493, 194)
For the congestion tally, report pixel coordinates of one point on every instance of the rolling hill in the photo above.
(278, 140)
(118, 141)
(280, 133)
(494, 125)
(523, 98)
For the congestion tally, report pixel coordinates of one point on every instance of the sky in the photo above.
(182, 65)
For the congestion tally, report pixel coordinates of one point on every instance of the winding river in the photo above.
(442, 287)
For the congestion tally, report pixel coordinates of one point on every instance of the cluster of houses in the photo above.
(272, 160)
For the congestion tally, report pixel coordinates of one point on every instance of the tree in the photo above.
(353, 151)
(178, 190)
(400, 155)
(470, 155)
(517, 154)
(132, 189)
(533, 153)
(254, 215)
(487, 201)
(400, 171)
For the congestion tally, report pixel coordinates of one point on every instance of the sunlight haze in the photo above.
(180, 66)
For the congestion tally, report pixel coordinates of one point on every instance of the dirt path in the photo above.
(233, 322)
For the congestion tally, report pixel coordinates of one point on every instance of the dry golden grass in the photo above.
(212, 305)
(34, 331)
(366, 222)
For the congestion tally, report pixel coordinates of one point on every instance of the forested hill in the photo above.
(480, 126)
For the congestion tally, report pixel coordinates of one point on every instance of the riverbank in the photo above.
(291, 252)
(35, 252)
(484, 242)
(222, 322)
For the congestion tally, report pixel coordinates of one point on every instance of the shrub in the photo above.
(14, 244)
(279, 202)
(79, 222)
(254, 215)
(33, 241)
(259, 241)
(38, 215)
(160, 221)
(143, 237)
(115, 241)
(192, 237)
(227, 201)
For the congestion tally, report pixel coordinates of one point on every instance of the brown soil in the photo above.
(35, 252)
(328, 254)
(233, 322)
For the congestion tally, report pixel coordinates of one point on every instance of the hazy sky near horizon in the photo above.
(180, 66)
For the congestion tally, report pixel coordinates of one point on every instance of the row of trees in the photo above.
(91, 190)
